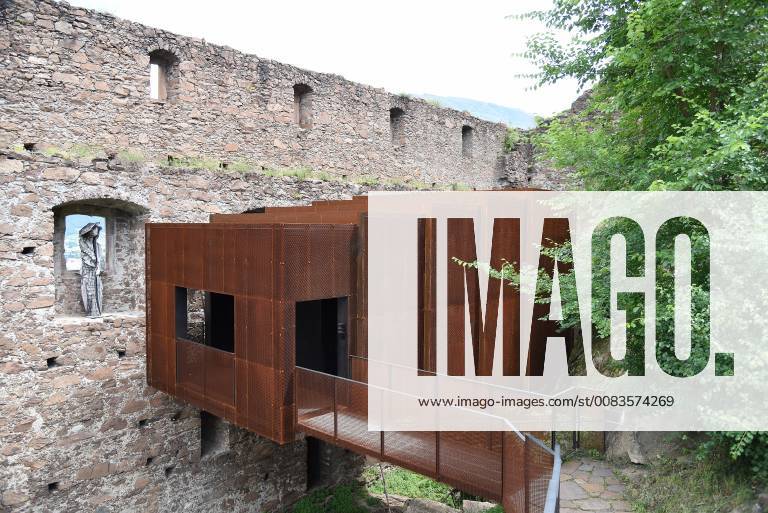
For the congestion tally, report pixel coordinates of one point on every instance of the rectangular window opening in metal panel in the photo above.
(207, 318)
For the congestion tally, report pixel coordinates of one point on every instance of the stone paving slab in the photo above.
(589, 485)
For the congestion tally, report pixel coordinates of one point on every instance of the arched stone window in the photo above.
(396, 126)
(163, 71)
(122, 244)
(466, 141)
(302, 105)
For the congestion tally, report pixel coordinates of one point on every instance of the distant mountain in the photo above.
(484, 110)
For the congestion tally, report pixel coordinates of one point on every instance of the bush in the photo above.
(748, 449)
(512, 139)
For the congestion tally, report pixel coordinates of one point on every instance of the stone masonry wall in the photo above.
(79, 428)
(73, 76)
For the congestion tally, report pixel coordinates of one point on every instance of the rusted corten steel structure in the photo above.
(278, 377)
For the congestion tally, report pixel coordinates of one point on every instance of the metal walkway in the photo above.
(517, 471)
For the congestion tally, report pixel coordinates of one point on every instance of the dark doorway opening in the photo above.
(321, 335)
(206, 318)
(316, 463)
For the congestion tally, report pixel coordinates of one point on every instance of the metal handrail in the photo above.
(406, 394)
(552, 504)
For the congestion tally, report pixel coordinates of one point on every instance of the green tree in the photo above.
(669, 76)
(679, 102)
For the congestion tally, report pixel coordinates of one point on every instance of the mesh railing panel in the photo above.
(514, 474)
(315, 401)
(539, 462)
(416, 450)
(352, 416)
(468, 462)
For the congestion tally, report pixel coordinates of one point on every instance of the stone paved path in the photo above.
(588, 485)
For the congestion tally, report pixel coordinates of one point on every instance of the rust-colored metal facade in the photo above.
(268, 261)
(267, 266)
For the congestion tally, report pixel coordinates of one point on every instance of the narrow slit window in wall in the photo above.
(396, 123)
(162, 65)
(302, 105)
(466, 141)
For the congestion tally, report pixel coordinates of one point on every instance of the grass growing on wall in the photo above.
(300, 173)
(192, 163)
(367, 180)
(131, 156)
(75, 152)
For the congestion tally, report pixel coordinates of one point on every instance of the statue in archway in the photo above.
(92, 265)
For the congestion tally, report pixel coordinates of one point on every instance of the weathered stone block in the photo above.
(66, 381)
(61, 173)
(11, 166)
(65, 77)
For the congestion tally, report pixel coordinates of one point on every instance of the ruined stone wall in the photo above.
(79, 428)
(70, 76)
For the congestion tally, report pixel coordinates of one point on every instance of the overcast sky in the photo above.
(447, 48)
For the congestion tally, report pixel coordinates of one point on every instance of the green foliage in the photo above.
(419, 186)
(367, 180)
(131, 155)
(409, 484)
(188, 162)
(675, 78)
(512, 139)
(300, 173)
(240, 166)
(321, 175)
(348, 498)
(719, 151)
(434, 102)
(192, 162)
(680, 102)
(75, 152)
(747, 449)
(686, 485)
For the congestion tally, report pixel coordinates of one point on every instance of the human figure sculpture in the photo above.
(92, 265)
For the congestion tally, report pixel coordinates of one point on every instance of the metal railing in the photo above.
(509, 467)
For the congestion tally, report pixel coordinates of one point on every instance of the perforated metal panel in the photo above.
(352, 417)
(416, 450)
(268, 262)
(514, 479)
(469, 462)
